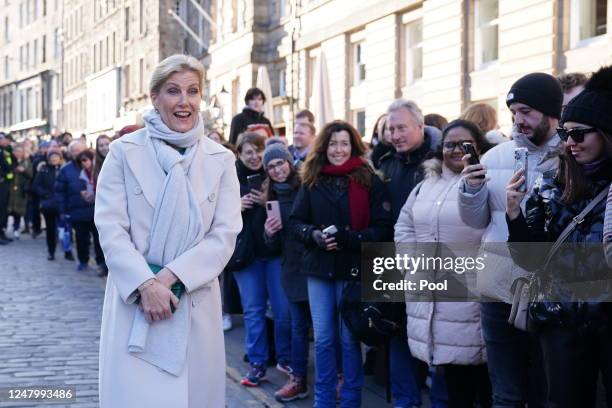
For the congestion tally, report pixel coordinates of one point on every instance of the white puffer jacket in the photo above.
(440, 332)
(486, 208)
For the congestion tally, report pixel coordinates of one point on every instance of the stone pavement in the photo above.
(49, 332)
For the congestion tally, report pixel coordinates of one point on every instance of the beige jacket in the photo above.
(440, 332)
(127, 190)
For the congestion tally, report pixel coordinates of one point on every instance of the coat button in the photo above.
(137, 190)
(354, 271)
(212, 197)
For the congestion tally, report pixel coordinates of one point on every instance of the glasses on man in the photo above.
(450, 146)
(577, 134)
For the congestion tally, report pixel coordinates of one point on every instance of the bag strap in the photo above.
(572, 225)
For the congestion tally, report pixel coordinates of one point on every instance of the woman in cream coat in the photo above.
(442, 333)
(168, 203)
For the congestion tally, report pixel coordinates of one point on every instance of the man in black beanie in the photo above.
(535, 102)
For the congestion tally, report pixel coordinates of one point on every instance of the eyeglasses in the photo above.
(277, 166)
(577, 134)
(450, 146)
(85, 159)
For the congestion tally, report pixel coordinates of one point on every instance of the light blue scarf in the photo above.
(176, 227)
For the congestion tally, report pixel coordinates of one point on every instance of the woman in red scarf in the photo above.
(339, 189)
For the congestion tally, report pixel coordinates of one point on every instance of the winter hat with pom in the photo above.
(593, 106)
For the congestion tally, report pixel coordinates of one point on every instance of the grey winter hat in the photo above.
(276, 151)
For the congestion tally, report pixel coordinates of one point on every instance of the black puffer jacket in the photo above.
(294, 282)
(546, 218)
(327, 204)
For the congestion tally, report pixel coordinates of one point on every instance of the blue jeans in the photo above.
(404, 377)
(300, 322)
(257, 283)
(324, 298)
(514, 359)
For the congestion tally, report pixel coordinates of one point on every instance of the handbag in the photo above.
(372, 323)
(524, 288)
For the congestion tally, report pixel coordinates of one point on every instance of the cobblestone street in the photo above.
(49, 328)
(49, 333)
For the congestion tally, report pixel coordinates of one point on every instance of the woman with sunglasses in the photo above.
(431, 214)
(575, 329)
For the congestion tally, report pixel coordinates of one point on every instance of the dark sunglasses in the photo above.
(450, 146)
(577, 134)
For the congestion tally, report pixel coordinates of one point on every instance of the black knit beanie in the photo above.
(539, 91)
(593, 106)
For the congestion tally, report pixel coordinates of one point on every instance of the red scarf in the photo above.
(358, 195)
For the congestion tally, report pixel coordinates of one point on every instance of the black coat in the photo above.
(249, 243)
(293, 281)
(545, 219)
(241, 121)
(403, 171)
(44, 187)
(327, 204)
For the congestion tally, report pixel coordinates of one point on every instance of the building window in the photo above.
(108, 50)
(21, 16)
(44, 8)
(282, 82)
(6, 29)
(126, 81)
(312, 64)
(588, 19)
(6, 67)
(56, 43)
(486, 42)
(27, 56)
(359, 66)
(43, 53)
(127, 24)
(412, 51)
(234, 16)
(101, 51)
(359, 119)
(141, 76)
(35, 53)
(114, 57)
(95, 59)
(141, 20)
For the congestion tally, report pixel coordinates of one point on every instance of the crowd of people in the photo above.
(415, 183)
(308, 207)
(53, 180)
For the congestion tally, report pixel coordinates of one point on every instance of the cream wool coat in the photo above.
(127, 191)
(440, 332)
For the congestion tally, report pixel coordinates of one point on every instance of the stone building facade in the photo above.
(30, 55)
(111, 48)
(444, 54)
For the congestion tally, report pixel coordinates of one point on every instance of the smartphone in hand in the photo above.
(273, 210)
(520, 163)
(468, 148)
(255, 181)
